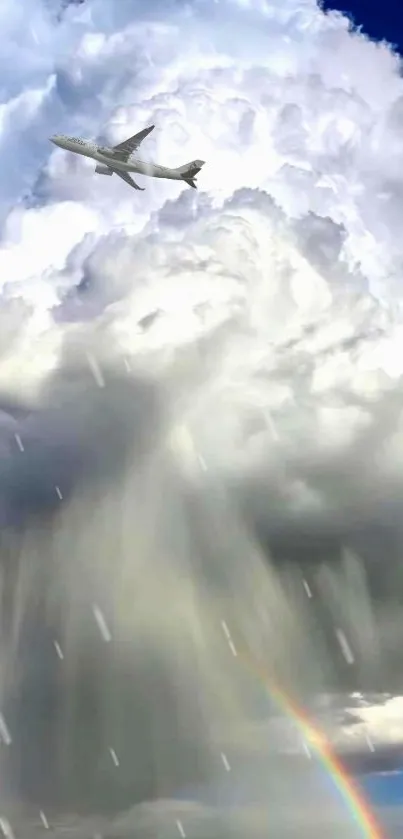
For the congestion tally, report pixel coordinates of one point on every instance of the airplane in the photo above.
(119, 160)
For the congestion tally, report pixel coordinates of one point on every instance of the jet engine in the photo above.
(103, 170)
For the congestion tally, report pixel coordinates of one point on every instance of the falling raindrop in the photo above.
(225, 762)
(6, 828)
(95, 370)
(229, 639)
(102, 625)
(4, 732)
(58, 649)
(44, 820)
(19, 442)
(114, 756)
(344, 646)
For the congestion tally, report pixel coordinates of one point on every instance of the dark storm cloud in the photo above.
(88, 424)
(353, 494)
(80, 434)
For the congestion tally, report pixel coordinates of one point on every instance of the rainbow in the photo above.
(351, 795)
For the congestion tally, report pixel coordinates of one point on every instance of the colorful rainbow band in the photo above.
(356, 802)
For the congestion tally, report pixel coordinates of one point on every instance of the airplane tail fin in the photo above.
(189, 171)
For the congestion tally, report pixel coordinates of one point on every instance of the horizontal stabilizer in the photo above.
(191, 182)
(190, 170)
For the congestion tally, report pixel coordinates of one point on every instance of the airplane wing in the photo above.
(130, 145)
(128, 179)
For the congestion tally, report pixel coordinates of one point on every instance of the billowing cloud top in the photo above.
(266, 307)
(273, 293)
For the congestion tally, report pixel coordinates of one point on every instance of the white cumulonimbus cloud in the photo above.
(275, 287)
(266, 310)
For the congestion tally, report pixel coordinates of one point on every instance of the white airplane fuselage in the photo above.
(106, 157)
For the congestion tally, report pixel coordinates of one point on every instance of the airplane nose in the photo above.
(55, 139)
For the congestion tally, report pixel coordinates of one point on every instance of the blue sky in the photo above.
(379, 21)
